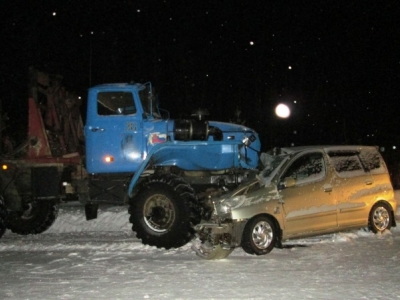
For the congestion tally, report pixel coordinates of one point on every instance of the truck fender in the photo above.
(144, 164)
(158, 154)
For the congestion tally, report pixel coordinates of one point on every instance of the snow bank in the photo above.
(71, 218)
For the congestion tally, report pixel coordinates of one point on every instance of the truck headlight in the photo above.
(246, 141)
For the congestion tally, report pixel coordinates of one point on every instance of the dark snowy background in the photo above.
(336, 63)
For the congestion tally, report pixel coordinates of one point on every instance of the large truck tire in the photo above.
(164, 211)
(36, 218)
(3, 217)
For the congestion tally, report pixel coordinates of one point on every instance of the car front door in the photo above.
(308, 202)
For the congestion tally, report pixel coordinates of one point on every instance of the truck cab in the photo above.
(124, 125)
(118, 117)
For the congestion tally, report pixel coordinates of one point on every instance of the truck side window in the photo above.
(115, 103)
(306, 168)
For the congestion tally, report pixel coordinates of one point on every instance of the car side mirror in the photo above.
(287, 183)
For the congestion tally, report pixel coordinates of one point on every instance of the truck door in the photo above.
(113, 132)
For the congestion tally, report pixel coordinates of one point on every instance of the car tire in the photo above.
(259, 236)
(380, 217)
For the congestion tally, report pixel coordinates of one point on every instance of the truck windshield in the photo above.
(148, 101)
(115, 103)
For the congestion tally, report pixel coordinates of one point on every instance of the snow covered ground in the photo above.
(102, 259)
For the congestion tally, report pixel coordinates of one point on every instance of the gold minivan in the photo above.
(301, 192)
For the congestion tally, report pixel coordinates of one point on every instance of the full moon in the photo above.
(282, 111)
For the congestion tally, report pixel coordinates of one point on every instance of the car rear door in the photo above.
(354, 187)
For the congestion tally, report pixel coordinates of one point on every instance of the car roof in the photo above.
(326, 148)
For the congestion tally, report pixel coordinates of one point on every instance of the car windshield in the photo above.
(272, 164)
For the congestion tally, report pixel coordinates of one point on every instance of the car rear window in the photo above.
(372, 161)
(355, 163)
(346, 163)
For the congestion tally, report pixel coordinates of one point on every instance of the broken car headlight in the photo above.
(223, 210)
(226, 209)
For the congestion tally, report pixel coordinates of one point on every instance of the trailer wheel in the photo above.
(164, 211)
(36, 218)
(3, 217)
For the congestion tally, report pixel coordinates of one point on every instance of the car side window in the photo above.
(115, 103)
(346, 163)
(306, 168)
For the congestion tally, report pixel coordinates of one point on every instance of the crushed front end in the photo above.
(222, 233)
(218, 237)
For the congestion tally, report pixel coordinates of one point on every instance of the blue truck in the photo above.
(131, 153)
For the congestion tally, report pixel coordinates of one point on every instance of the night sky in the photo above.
(335, 63)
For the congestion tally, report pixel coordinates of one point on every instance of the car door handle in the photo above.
(327, 188)
(94, 129)
(368, 182)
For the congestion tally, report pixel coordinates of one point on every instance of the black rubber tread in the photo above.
(34, 220)
(187, 193)
(185, 204)
(3, 217)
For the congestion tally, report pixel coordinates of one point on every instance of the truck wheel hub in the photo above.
(159, 213)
